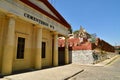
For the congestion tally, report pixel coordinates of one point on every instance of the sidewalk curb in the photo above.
(107, 62)
(114, 58)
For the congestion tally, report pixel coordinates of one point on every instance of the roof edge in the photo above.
(61, 21)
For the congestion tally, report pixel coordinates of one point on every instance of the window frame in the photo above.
(20, 43)
(18, 34)
(43, 57)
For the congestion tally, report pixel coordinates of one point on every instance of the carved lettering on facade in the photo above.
(38, 20)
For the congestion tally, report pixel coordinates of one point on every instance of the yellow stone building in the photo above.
(29, 31)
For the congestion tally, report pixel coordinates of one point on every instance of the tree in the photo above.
(70, 30)
(93, 37)
(76, 32)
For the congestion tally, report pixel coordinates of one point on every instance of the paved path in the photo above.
(74, 72)
(108, 72)
(57, 73)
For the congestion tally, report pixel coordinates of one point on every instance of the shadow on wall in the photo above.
(61, 55)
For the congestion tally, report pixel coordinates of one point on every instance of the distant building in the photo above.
(29, 31)
(87, 48)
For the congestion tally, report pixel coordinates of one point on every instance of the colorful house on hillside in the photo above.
(87, 49)
(29, 31)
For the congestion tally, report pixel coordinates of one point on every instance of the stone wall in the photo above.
(90, 57)
(82, 57)
(103, 56)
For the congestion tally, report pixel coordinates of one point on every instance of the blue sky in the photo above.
(96, 16)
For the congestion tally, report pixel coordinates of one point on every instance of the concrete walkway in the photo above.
(56, 73)
(67, 72)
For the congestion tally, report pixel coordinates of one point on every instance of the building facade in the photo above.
(29, 31)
